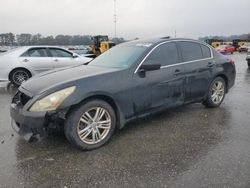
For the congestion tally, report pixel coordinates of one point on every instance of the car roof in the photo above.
(156, 41)
(41, 46)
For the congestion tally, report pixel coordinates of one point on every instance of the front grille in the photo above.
(20, 98)
(16, 99)
(24, 98)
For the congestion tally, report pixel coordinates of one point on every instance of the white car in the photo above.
(18, 65)
(248, 58)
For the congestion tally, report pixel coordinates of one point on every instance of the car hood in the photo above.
(45, 81)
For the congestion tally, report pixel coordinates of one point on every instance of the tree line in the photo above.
(227, 38)
(25, 39)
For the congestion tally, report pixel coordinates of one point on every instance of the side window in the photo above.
(55, 52)
(165, 54)
(190, 51)
(205, 51)
(36, 52)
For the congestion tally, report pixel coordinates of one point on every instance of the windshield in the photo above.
(119, 57)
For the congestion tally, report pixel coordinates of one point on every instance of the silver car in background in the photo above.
(18, 65)
(248, 58)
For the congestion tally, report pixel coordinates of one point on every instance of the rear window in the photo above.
(38, 52)
(35, 52)
(205, 51)
(190, 51)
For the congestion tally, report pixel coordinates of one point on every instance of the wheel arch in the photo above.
(17, 68)
(107, 98)
(224, 76)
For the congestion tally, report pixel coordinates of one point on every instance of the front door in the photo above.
(62, 58)
(163, 87)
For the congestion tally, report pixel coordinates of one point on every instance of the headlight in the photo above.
(52, 101)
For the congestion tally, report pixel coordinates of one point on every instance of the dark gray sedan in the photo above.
(131, 80)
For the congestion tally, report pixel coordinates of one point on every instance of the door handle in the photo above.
(25, 60)
(210, 64)
(177, 72)
(56, 60)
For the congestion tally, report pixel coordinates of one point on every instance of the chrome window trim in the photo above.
(181, 63)
(186, 62)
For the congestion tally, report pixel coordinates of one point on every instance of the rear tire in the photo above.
(216, 93)
(248, 62)
(90, 125)
(18, 76)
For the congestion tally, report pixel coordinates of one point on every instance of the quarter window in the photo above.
(205, 51)
(165, 54)
(190, 51)
(55, 52)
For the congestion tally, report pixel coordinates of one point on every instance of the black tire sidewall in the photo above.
(70, 128)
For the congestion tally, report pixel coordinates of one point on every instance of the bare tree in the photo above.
(24, 39)
(7, 39)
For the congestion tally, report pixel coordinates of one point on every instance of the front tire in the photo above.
(18, 76)
(216, 93)
(248, 62)
(90, 125)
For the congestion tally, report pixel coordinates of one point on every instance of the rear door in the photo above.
(199, 66)
(37, 59)
(62, 58)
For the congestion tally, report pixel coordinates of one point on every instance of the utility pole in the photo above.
(115, 16)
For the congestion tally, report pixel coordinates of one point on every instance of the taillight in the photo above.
(231, 61)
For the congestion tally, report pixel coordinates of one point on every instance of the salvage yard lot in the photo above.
(190, 146)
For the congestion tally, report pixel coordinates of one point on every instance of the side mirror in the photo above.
(74, 56)
(150, 67)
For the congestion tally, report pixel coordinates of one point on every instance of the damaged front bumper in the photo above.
(33, 125)
(29, 125)
(36, 125)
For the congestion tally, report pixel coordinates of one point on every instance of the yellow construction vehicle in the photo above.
(237, 43)
(214, 42)
(101, 44)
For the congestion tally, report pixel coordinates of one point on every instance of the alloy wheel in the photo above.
(20, 76)
(218, 91)
(94, 125)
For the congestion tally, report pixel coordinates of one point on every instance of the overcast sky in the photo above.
(135, 18)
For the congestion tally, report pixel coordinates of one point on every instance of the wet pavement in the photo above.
(190, 146)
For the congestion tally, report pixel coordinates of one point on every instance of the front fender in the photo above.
(106, 96)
